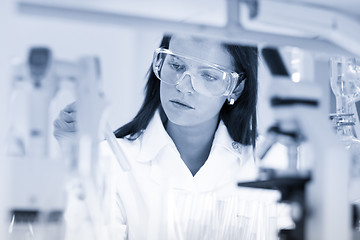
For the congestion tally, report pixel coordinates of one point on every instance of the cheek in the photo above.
(210, 105)
(165, 91)
(205, 107)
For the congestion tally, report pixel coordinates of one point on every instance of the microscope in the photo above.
(316, 189)
(41, 185)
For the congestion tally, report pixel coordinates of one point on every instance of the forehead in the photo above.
(205, 49)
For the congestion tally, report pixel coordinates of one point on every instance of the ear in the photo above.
(238, 90)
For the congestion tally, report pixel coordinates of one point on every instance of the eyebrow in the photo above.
(208, 68)
(201, 67)
(174, 56)
(181, 59)
(215, 67)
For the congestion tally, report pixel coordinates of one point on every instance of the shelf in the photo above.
(218, 19)
(185, 11)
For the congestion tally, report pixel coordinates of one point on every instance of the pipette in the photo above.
(118, 152)
(134, 186)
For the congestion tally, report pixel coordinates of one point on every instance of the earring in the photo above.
(231, 101)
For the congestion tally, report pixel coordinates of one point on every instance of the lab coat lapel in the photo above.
(224, 162)
(168, 170)
(217, 171)
(153, 140)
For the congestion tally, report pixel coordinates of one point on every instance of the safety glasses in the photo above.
(206, 78)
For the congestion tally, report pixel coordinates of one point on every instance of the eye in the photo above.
(209, 77)
(177, 66)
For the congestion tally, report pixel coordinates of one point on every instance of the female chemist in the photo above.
(188, 145)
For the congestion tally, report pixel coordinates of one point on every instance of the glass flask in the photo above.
(344, 125)
(345, 81)
(345, 84)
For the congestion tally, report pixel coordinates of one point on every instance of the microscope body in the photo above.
(317, 189)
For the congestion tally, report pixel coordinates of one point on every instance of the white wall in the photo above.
(125, 54)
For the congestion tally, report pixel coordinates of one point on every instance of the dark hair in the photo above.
(240, 118)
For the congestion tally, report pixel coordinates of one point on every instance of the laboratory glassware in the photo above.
(345, 84)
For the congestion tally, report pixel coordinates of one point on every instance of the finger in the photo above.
(61, 135)
(67, 116)
(61, 125)
(70, 107)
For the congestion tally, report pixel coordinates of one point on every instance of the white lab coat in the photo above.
(171, 198)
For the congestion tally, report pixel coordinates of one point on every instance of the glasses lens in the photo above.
(211, 81)
(206, 79)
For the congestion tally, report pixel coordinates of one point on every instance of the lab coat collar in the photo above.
(167, 168)
(151, 146)
(222, 168)
(154, 139)
(223, 139)
(224, 163)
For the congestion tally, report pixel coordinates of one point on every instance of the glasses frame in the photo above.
(233, 79)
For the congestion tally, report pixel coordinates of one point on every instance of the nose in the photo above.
(184, 84)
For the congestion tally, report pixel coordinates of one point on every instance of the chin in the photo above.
(181, 120)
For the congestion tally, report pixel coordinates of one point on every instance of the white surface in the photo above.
(202, 18)
(4, 73)
(200, 11)
(350, 7)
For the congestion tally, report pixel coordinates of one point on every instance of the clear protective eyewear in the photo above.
(206, 78)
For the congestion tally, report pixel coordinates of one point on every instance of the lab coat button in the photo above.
(236, 146)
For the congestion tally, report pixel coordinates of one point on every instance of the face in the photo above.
(181, 103)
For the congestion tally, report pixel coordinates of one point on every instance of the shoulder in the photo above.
(223, 140)
(123, 148)
(144, 146)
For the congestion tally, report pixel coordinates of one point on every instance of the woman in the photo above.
(188, 145)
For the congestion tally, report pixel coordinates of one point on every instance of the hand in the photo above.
(65, 126)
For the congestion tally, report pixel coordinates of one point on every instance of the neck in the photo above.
(193, 142)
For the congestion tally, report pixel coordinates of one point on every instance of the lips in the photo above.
(180, 103)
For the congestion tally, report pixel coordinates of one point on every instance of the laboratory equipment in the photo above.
(43, 187)
(36, 200)
(210, 215)
(345, 84)
(141, 209)
(299, 120)
(276, 22)
(66, 199)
